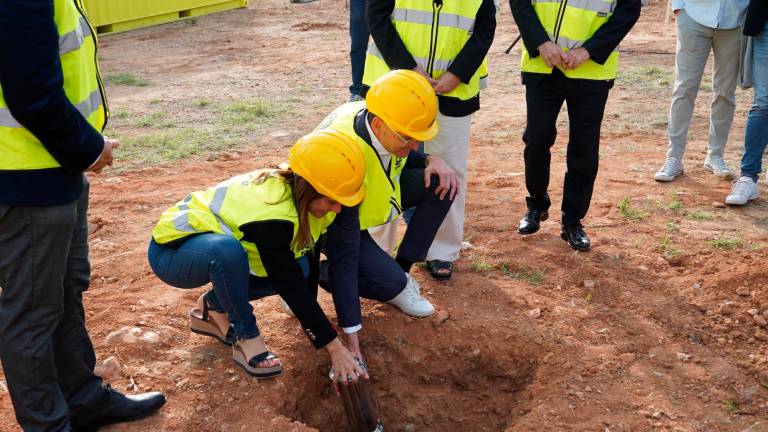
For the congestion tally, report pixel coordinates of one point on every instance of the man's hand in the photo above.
(449, 181)
(446, 83)
(353, 343)
(551, 53)
(420, 70)
(106, 157)
(575, 57)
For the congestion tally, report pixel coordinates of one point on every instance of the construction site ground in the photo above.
(661, 327)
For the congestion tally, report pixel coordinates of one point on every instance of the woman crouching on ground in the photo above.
(251, 237)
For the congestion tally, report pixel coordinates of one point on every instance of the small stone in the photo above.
(718, 204)
(442, 316)
(465, 245)
(765, 314)
(683, 357)
(627, 358)
(116, 336)
(3, 386)
(228, 156)
(643, 268)
(644, 413)
(589, 284)
(753, 312)
(92, 228)
(759, 320)
(280, 134)
(202, 407)
(150, 338)
(657, 415)
(130, 338)
(743, 291)
(761, 336)
(534, 313)
(109, 369)
(727, 308)
(182, 383)
(113, 180)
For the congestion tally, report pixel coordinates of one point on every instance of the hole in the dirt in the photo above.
(446, 381)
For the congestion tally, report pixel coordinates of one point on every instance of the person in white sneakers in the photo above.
(756, 131)
(704, 26)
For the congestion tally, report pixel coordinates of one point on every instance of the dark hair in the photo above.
(303, 193)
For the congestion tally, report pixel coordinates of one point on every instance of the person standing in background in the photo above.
(358, 34)
(704, 26)
(756, 131)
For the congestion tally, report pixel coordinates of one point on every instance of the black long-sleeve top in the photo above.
(343, 243)
(33, 88)
(273, 241)
(378, 16)
(599, 46)
(757, 17)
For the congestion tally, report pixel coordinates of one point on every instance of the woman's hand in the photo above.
(346, 367)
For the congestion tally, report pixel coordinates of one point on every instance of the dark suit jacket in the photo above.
(757, 16)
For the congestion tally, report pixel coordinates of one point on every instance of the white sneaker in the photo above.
(673, 167)
(744, 190)
(410, 300)
(717, 166)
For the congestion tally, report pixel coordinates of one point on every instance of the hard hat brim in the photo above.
(352, 200)
(426, 135)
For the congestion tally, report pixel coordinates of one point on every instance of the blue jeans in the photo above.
(756, 131)
(222, 261)
(358, 33)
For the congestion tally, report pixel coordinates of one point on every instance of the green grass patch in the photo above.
(531, 276)
(757, 246)
(120, 114)
(673, 226)
(667, 248)
(731, 406)
(156, 120)
(201, 103)
(162, 146)
(726, 243)
(649, 78)
(628, 212)
(700, 215)
(246, 112)
(676, 205)
(481, 266)
(126, 79)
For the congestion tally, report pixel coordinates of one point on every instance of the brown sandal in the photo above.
(200, 323)
(251, 366)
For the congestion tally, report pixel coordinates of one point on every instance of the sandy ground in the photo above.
(651, 330)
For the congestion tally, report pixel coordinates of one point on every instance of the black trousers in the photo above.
(45, 349)
(586, 100)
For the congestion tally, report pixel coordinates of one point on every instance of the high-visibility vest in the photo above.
(569, 23)
(434, 35)
(382, 190)
(226, 207)
(19, 149)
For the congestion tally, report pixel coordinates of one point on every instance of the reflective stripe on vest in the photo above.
(434, 35)
(19, 149)
(226, 207)
(569, 23)
(382, 192)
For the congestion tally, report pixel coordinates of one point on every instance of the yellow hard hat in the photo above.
(406, 102)
(332, 162)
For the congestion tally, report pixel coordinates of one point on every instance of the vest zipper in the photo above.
(102, 93)
(437, 5)
(560, 16)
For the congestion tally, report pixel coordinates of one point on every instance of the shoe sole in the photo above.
(719, 174)
(258, 373)
(741, 203)
(198, 326)
(544, 217)
(667, 179)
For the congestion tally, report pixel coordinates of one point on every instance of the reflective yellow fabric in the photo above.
(226, 207)
(19, 149)
(382, 192)
(434, 36)
(570, 23)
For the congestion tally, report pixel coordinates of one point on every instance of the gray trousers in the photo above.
(45, 349)
(694, 43)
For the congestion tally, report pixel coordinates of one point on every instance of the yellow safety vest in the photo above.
(434, 35)
(569, 24)
(19, 149)
(382, 190)
(226, 207)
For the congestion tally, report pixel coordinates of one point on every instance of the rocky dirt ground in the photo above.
(662, 326)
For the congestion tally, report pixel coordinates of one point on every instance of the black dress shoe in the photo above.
(531, 222)
(117, 408)
(575, 236)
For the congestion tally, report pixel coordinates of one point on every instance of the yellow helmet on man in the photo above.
(406, 102)
(332, 162)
